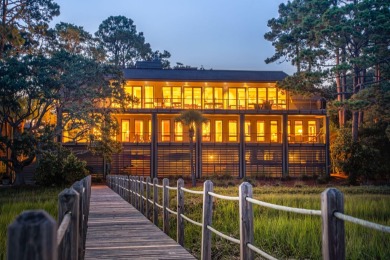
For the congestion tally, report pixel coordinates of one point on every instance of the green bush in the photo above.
(59, 166)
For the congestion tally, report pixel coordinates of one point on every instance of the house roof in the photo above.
(203, 75)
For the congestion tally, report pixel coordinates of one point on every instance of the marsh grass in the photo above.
(289, 235)
(14, 201)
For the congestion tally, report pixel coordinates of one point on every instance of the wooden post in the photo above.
(141, 193)
(333, 234)
(33, 233)
(68, 201)
(165, 206)
(180, 210)
(246, 221)
(155, 200)
(78, 186)
(147, 208)
(128, 189)
(132, 190)
(206, 220)
(136, 192)
(86, 198)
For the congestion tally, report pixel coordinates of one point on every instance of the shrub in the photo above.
(59, 166)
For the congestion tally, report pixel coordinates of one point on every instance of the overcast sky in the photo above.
(215, 34)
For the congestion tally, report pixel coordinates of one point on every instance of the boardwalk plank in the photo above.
(116, 230)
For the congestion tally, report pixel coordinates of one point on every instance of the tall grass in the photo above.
(289, 235)
(14, 201)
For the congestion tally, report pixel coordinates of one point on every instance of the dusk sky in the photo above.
(215, 34)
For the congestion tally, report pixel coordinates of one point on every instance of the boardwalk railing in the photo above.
(34, 233)
(138, 192)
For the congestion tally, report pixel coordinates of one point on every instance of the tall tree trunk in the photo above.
(362, 81)
(355, 114)
(377, 73)
(339, 89)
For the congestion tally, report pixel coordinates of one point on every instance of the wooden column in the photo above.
(206, 220)
(68, 201)
(285, 145)
(33, 233)
(155, 200)
(246, 221)
(241, 152)
(165, 206)
(333, 234)
(180, 210)
(141, 192)
(147, 208)
(153, 146)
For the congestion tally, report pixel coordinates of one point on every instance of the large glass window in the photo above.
(167, 95)
(149, 130)
(272, 96)
(75, 131)
(178, 131)
(218, 97)
(260, 131)
(252, 97)
(281, 99)
(138, 131)
(125, 131)
(192, 97)
(262, 95)
(149, 97)
(247, 130)
(312, 131)
(218, 131)
(165, 130)
(233, 130)
(298, 131)
(232, 98)
(176, 97)
(274, 131)
(206, 131)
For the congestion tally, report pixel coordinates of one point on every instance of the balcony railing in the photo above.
(226, 104)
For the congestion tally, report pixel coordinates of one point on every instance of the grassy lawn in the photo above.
(14, 201)
(289, 235)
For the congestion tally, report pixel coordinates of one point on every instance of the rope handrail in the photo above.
(260, 252)
(151, 201)
(191, 221)
(171, 211)
(159, 186)
(216, 195)
(192, 191)
(285, 208)
(362, 222)
(144, 198)
(63, 227)
(160, 206)
(231, 239)
(171, 188)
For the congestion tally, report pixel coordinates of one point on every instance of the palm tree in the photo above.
(192, 119)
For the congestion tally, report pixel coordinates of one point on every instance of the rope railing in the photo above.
(331, 213)
(63, 227)
(285, 208)
(362, 222)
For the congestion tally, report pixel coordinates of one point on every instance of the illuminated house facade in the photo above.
(254, 129)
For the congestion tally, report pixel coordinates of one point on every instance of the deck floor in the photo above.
(116, 230)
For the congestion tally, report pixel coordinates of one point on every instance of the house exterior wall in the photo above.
(254, 129)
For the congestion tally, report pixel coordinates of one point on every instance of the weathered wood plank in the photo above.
(116, 230)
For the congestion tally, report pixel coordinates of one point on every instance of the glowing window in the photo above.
(272, 95)
(312, 131)
(75, 131)
(218, 130)
(232, 130)
(165, 130)
(178, 131)
(218, 97)
(298, 131)
(247, 130)
(260, 131)
(138, 131)
(125, 131)
(167, 95)
(206, 132)
(149, 97)
(150, 130)
(176, 96)
(274, 131)
(288, 130)
(262, 95)
(252, 97)
(241, 98)
(282, 99)
(233, 98)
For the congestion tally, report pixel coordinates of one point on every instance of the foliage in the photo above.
(23, 23)
(59, 166)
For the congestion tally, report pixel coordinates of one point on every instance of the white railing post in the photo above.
(165, 206)
(155, 200)
(246, 221)
(206, 220)
(333, 234)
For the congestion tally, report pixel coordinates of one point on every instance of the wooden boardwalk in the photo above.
(116, 230)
